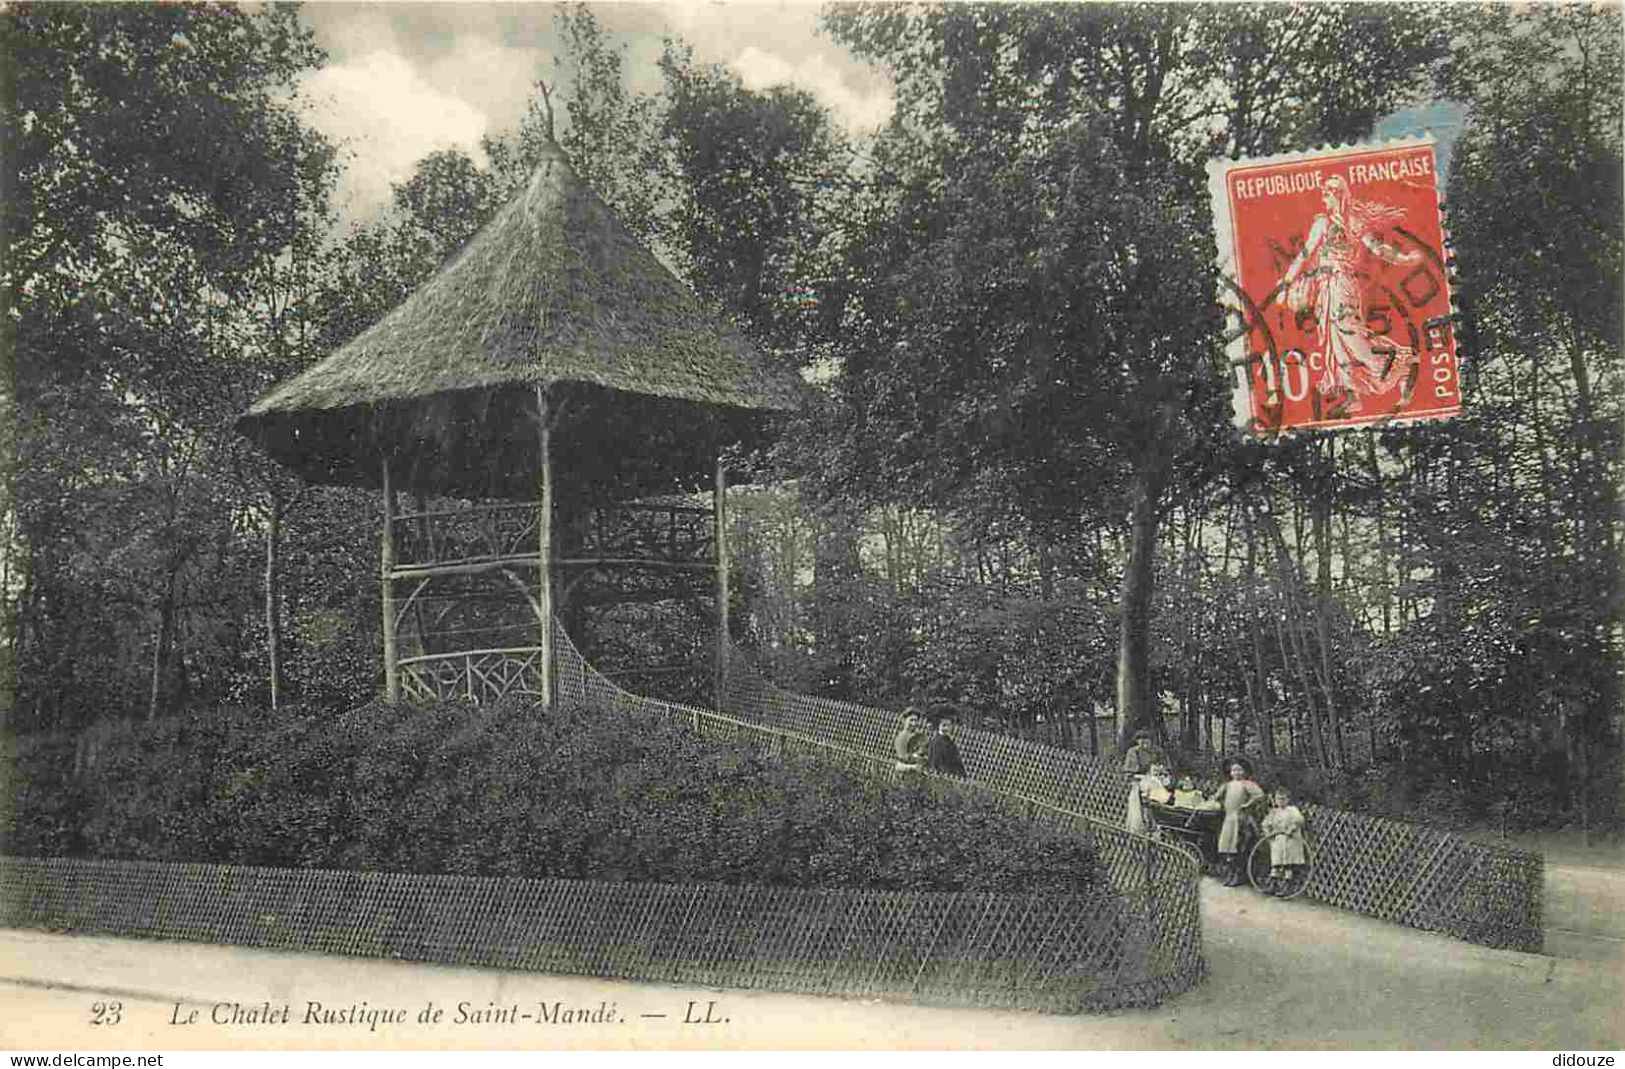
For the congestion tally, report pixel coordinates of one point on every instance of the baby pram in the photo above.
(1196, 829)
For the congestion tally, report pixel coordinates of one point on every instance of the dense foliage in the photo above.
(990, 490)
(581, 793)
(1015, 489)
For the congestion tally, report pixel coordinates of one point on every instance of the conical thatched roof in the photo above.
(553, 291)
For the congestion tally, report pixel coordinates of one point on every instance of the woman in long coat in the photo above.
(1237, 796)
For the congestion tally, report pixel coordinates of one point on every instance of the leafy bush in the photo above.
(505, 790)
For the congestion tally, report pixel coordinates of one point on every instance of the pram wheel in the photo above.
(1258, 868)
(1191, 850)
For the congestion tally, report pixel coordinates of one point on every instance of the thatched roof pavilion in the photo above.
(554, 292)
(553, 360)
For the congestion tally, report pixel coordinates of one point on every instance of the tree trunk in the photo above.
(1294, 650)
(1323, 625)
(1260, 706)
(1191, 662)
(1380, 548)
(273, 598)
(719, 504)
(1134, 704)
(1046, 571)
(17, 641)
(162, 644)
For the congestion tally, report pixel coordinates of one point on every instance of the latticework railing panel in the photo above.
(1390, 869)
(1061, 777)
(1426, 878)
(469, 533)
(474, 675)
(1157, 906)
(1060, 953)
(669, 532)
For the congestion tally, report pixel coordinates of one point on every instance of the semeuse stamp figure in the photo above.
(1325, 278)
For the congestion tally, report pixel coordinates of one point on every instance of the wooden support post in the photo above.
(544, 545)
(392, 679)
(719, 511)
(273, 593)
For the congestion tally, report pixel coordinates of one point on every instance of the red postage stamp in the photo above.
(1334, 266)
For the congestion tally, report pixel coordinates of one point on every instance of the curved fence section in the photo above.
(1156, 895)
(1389, 869)
(1132, 941)
(1057, 953)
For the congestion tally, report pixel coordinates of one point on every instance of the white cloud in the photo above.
(409, 79)
(388, 117)
(859, 111)
(495, 79)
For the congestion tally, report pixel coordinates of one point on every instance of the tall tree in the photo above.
(1029, 316)
(745, 211)
(149, 164)
(1530, 608)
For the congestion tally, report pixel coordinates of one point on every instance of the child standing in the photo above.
(1284, 827)
(1236, 797)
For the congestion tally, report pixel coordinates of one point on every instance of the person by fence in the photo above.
(909, 745)
(1284, 827)
(1187, 795)
(942, 753)
(1239, 797)
(1137, 761)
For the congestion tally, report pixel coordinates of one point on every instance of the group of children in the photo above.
(1240, 799)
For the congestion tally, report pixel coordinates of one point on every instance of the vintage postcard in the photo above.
(718, 526)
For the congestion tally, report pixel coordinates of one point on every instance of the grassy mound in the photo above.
(505, 790)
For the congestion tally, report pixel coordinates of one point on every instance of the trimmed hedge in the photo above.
(505, 790)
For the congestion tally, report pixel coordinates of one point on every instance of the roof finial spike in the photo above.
(547, 106)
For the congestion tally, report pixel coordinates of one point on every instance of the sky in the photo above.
(406, 79)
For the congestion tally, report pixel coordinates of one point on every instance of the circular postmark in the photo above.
(1349, 340)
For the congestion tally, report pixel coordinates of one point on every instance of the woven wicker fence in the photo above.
(1133, 943)
(1157, 887)
(1426, 878)
(1390, 869)
(1056, 953)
